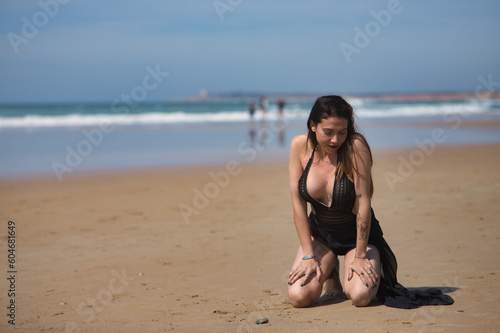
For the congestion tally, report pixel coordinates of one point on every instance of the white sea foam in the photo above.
(119, 119)
(418, 110)
(292, 112)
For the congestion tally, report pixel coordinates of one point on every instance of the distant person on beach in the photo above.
(330, 168)
(263, 106)
(251, 130)
(251, 110)
(263, 109)
(281, 119)
(281, 109)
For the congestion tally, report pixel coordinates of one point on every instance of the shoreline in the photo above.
(126, 150)
(199, 167)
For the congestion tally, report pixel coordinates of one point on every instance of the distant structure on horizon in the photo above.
(204, 96)
(203, 93)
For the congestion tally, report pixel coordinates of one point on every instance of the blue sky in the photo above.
(91, 50)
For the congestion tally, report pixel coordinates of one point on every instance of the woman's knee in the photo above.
(301, 297)
(360, 298)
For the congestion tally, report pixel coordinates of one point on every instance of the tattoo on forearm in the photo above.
(363, 228)
(363, 231)
(358, 195)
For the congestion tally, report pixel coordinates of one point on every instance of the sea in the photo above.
(63, 140)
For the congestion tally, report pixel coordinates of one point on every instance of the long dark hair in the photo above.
(335, 106)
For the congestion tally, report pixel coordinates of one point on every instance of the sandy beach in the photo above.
(208, 249)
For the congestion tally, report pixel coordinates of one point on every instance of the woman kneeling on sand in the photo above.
(330, 168)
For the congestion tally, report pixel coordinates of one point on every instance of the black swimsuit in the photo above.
(335, 227)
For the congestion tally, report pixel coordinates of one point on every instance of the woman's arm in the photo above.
(309, 266)
(362, 185)
(295, 170)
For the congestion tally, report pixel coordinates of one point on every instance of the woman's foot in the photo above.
(333, 287)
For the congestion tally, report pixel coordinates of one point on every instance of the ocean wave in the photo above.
(292, 112)
(418, 110)
(120, 119)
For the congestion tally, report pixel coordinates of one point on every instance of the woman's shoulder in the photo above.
(299, 140)
(360, 149)
(300, 143)
(359, 142)
(300, 146)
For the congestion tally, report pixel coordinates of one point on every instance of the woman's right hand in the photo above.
(305, 271)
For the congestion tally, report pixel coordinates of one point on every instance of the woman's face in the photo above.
(331, 133)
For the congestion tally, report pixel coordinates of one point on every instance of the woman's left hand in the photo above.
(364, 269)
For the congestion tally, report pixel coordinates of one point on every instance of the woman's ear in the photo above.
(313, 127)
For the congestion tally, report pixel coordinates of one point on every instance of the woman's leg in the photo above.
(355, 289)
(303, 296)
(333, 287)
